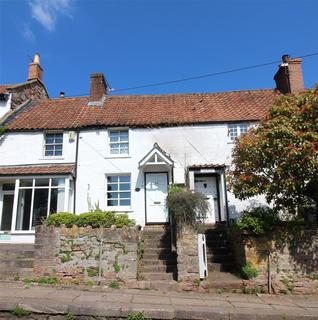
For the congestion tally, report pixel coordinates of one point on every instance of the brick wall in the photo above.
(78, 254)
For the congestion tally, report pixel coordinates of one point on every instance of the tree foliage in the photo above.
(279, 157)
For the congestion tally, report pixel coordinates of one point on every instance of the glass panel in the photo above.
(24, 208)
(124, 178)
(243, 128)
(26, 183)
(8, 186)
(112, 203)
(49, 139)
(42, 182)
(49, 153)
(124, 195)
(58, 182)
(125, 202)
(112, 187)
(39, 206)
(112, 179)
(124, 186)
(58, 153)
(57, 200)
(124, 136)
(6, 217)
(111, 195)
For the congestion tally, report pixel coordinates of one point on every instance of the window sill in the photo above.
(52, 158)
(119, 209)
(118, 157)
(18, 232)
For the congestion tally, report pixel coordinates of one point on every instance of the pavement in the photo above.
(119, 303)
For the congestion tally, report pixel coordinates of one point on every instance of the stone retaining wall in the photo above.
(293, 253)
(84, 254)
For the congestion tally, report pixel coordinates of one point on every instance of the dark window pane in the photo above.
(58, 153)
(49, 153)
(26, 183)
(49, 147)
(111, 195)
(39, 206)
(42, 182)
(7, 207)
(124, 178)
(8, 186)
(125, 202)
(112, 187)
(112, 203)
(58, 182)
(124, 187)
(24, 208)
(112, 179)
(124, 195)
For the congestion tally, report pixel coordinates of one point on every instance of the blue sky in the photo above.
(136, 42)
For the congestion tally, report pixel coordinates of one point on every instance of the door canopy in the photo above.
(156, 157)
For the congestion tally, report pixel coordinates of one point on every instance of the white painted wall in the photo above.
(18, 148)
(187, 145)
(5, 106)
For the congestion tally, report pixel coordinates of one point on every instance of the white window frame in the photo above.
(45, 144)
(237, 127)
(118, 155)
(118, 207)
(17, 179)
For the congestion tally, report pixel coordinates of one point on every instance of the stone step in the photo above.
(164, 256)
(158, 251)
(157, 243)
(16, 246)
(15, 273)
(219, 250)
(217, 243)
(16, 254)
(221, 267)
(163, 285)
(19, 263)
(157, 262)
(158, 268)
(221, 258)
(157, 276)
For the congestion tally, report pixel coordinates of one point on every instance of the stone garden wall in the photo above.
(293, 254)
(187, 255)
(84, 254)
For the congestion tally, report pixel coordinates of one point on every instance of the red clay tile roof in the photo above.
(3, 88)
(37, 169)
(146, 110)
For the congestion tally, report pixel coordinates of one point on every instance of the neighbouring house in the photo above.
(13, 97)
(121, 152)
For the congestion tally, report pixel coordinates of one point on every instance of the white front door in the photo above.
(207, 185)
(156, 193)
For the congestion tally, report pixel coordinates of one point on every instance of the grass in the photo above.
(253, 290)
(92, 272)
(114, 284)
(136, 316)
(20, 312)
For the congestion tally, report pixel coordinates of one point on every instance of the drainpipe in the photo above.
(76, 165)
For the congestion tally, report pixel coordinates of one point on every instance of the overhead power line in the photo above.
(207, 75)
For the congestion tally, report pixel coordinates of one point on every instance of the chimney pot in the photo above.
(98, 87)
(35, 69)
(289, 77)
(62, 94)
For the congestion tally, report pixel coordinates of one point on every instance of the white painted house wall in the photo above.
(5, 106)
(186, 145)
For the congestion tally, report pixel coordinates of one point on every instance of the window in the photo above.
(37, 199)
(53, 144)
(236, 129)
(118, 190)
(119, 142)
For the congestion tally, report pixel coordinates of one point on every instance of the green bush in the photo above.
(95, 219)
(57, 219)
(248, 271)
(187, 208)
(258, 220)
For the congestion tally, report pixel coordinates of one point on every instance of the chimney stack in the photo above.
(62, 94)
(289, 77)
(98, 87)
(35, 69)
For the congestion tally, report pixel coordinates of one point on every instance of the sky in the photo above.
(140, 42)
